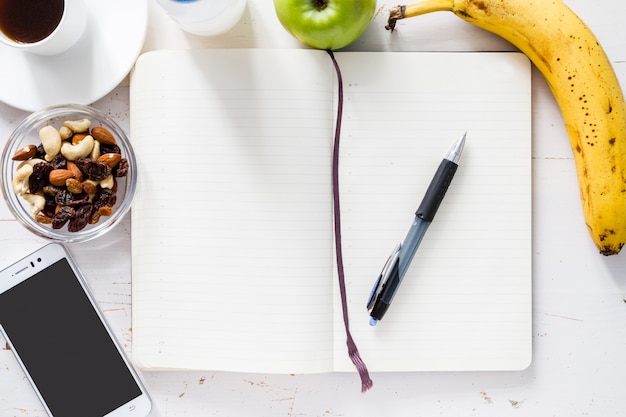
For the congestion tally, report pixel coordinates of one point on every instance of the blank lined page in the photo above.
(233, 260)
(465, 302)
(231, 225)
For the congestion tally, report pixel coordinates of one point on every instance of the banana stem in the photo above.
(415, 9)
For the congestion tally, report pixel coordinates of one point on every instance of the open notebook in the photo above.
(232, 244)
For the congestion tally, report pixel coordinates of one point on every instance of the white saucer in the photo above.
(92, 68)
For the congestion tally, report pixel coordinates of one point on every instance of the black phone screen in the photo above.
(64, 345)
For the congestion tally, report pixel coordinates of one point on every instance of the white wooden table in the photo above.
(579, 305)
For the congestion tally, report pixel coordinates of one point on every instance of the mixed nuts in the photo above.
(71, 177)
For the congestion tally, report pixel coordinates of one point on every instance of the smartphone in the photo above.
(59, 336)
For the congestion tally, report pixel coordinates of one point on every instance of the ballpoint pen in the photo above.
(398, 262)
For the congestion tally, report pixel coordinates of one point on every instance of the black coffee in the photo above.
(29, 21)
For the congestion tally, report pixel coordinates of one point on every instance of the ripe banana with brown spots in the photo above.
(584, 85)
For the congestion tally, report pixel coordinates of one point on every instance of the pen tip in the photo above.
(454, 154)
(373, 322)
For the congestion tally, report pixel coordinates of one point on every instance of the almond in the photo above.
(102, 135)
(59, 176)
(78, 174)
(110, 159)
(25, 153)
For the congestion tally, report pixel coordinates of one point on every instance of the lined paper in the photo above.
(231, 269)
(233, 259)
(465, 302)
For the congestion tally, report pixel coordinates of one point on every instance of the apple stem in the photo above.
(353, 351)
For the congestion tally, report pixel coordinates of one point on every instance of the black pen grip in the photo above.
(436, 190)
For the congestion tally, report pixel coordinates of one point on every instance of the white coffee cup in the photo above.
(63, 35)
(204, 17)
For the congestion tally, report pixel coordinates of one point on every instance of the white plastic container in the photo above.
(204, 17)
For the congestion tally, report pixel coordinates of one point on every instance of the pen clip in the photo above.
(384, 276)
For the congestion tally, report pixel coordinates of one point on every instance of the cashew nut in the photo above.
(80, 150)
(31, 162)
(20, 179)
(65, 132)
(78, 126)
(108, 182)
(37, 202)
(51, 141)
(95, 152)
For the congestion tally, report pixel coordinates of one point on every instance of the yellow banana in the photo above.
(584, 85)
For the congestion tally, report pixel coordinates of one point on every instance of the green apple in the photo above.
(325, 24)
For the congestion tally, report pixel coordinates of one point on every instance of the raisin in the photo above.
(80, 219)
(40, 153)
(80, 163)
(121, 169)
(62, 216)
(39, 178)
(104, 198)
(105, 211)
(95, 217)
(50, 207)
(66, 198)
(59, 162)
(51, 190)
(95, 170)
(43, 219)
(106, 148)
(74, 186)
(90, 187)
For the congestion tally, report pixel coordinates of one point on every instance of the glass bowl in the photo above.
(39, 220)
